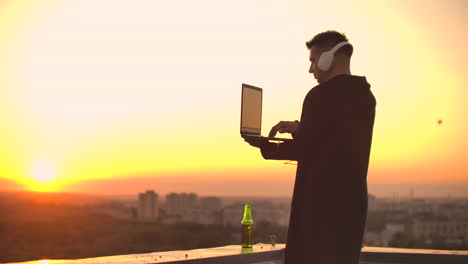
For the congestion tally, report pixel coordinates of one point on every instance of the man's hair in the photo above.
(328, 39)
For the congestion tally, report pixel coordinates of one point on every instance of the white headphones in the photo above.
(326, 59)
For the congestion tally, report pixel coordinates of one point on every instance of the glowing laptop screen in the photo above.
(251, 110)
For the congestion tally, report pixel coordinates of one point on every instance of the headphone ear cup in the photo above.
(325, 61)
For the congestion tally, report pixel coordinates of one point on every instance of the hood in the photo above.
(350, 81)
(349, 89)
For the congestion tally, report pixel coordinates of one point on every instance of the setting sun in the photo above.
(43, 172)
(43, 177)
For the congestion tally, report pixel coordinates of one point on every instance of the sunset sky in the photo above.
(115, 97)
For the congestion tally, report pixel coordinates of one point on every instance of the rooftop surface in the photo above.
(268, 254)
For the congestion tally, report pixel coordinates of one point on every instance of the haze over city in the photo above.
(116, 97)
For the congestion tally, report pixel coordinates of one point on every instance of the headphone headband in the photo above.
(338, 46)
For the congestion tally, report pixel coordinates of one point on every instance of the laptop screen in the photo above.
(251, 109)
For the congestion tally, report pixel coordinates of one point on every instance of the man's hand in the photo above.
(284, 127)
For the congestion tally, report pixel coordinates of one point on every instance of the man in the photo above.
(332, 145)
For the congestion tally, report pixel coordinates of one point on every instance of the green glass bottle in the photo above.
(247, 225)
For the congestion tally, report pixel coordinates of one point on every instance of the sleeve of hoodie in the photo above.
(314, 122)
(280, 151)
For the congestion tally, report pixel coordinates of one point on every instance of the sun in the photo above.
(43, 177)
(43, 172)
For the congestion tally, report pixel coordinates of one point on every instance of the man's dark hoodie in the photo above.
(332, 147)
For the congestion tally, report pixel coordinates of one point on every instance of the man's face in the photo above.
(314, 56)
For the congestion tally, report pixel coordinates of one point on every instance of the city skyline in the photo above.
(79, 227)
(145, 93)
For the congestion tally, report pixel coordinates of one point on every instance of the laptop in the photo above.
(251, 114)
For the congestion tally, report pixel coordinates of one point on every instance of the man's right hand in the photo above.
(284, 127)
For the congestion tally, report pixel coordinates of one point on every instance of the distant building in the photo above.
(148, 207)
(447, 229)
(389, 232)
(182, 207)
(211, 212)
(210, 204)
(233, 214)
(116, 210)
(372, 202)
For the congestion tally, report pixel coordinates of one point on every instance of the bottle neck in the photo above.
(247, 215)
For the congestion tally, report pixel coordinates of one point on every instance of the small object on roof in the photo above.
(272, 240)
(439, 121)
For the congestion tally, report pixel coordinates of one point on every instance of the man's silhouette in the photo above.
(331, 144)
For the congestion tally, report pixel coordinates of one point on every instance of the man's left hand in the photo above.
(254, 142)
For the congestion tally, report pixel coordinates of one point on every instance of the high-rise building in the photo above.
(181, 204)
(211, 211)
(210, 204)
(148, 208)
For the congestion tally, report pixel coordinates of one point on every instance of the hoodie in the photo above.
(332, 147)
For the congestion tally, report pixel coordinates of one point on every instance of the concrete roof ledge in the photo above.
(383, 255)
(266, 254)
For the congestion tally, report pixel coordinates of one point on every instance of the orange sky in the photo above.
(150, 90)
